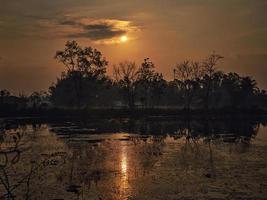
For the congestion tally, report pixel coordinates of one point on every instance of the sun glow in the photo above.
(124, 161)
(124, 38)
(124, 184)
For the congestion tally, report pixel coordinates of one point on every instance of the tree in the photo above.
(248, 88)
(87, 61)
(217, 93)
(36, 98)
(150, 83)
(209, 65)
(158, 87)
(4, 93)
(85, 67)
(187, 76)
(231, 88)
(125, 74)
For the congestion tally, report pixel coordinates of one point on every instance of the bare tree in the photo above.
(187, 77)
(125, 75)
(209, 66)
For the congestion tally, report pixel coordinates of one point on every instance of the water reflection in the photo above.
(152, 160)
(124, 162)
(124, 171)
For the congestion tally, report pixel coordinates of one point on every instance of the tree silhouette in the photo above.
(125, 74)
(248, 88)
(209, 65)
(87, 61)
(150, 83)
(85, 67)
(3, 93)
(85, 85)
(187, 76)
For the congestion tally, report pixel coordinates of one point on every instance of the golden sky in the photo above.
(167, 31)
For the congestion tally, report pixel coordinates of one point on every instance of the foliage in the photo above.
(87, 62)
(85, 76)
(84, 84)
(187, 76)
(150, 84)
(125, 75)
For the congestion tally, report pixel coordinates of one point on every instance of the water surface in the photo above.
(133, 159)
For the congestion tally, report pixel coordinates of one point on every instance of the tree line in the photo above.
(195, 85)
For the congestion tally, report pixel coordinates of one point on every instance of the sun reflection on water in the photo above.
(124, 182)
(124, 163)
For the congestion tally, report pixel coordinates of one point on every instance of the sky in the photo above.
(166, 31)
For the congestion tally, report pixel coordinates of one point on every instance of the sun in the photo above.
(124, 38)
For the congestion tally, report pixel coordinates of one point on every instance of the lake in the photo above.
(133, 159)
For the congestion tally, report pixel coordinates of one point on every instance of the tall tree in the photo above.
(187, 77)
(150, 83)
(83, 65)
(125, 74)
(87, 61)
(209, 65)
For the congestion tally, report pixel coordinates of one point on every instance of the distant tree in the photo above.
(248, 85)
(172, 95)
(125, 75)
(187, 76)
(262, 99)
(36, 98)
(216, 96)
(150, 83)
(231, 87)
(159, 85)
(209, 66)
(248, 88)
(4, 93)
(87, 61)
(85, 67)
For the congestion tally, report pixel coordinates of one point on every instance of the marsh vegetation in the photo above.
(133, 87)
(133, 159)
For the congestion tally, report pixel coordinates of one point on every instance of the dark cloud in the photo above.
(98, 27)
(99, 32)
(94, 31)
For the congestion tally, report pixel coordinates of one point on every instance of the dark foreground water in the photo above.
(129, 159)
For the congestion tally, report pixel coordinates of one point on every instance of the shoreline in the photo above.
(146, 115)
